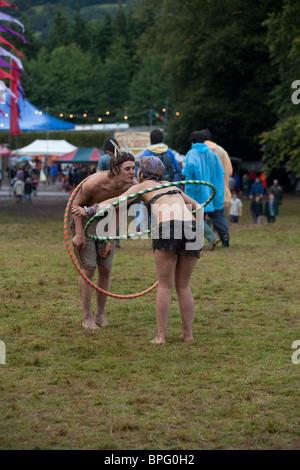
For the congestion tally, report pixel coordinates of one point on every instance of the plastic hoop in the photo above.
(73, 259)
(139, 193)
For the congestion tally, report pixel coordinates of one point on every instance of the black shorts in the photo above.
(177, 236)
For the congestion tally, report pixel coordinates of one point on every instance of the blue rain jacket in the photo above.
(202, 164)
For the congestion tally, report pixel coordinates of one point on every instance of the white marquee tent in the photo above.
(45, 148)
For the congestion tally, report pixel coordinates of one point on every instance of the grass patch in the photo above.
(234, 387)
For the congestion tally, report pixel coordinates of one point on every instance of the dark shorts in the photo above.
(89, 257)
(183, 238)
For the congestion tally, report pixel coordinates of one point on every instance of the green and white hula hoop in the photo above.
(139, 193)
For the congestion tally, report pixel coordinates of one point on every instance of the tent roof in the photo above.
(32, 119)
(81, 155)
(46, 147)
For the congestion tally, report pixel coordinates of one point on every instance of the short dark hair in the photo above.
(207, 134)
(109, 146)
(156, 137)
(116, 162)
(200, 136)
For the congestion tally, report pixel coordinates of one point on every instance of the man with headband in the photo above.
(97, 188)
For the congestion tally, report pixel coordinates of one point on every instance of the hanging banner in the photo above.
(6, 4)
(11, 19)
(4, 29)
(14, 112)
(5, 53)
(4, 41)
(2, 92)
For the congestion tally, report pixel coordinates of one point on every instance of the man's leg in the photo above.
(210, 236)
(103, 283)
(220, 223)
(86, 292)
(104, 271)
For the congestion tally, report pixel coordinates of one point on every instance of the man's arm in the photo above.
(80, 200)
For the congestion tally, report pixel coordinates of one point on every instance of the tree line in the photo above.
(229, 65)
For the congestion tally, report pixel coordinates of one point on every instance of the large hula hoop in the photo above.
(73, 259)
(139, 193)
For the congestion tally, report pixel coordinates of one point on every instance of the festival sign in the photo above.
(136, 141)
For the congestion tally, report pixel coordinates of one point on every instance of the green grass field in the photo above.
(234, 387)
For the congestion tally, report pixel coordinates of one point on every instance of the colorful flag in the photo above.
(4, 41)
(6, 4)
(2, 92)
(11, 19)
(5, 53)
(5, 75)
(3, 63)
(14, 112)
(4, 29)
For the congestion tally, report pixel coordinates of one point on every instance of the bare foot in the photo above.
(158, 340)
(186, 338)
(89, 324)
(101, 321)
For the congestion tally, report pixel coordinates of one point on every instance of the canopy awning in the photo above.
(31, 118)
(45, 148)
(81, 155)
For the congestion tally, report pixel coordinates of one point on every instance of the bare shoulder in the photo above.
(89, 192)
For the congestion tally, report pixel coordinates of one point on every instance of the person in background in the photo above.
(256, 188)
(256, 208)
(202, 164)
(252, 176)
(161, 150)
(277, 191)
(34, 183)
(210, 236)
(109, 151)
(225, 161)
(245, 185)
(235, 208)
(18, 189)
(263, 180)
(271, 208)
(28, 190)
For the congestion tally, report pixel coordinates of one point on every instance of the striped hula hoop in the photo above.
(139, 193)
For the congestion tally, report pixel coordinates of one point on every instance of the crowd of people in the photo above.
(177, 238)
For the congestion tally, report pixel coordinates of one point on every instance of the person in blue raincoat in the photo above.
(202, 164)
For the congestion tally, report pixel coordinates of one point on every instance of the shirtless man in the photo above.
(98, 188)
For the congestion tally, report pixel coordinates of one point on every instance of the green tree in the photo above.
(280, 145)
(59, 34)
(111, 84)
(80, 31)
(103, 37)
(60, 80)
(217, 62)
(148, 90)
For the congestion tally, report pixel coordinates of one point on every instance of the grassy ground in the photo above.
(234, 387)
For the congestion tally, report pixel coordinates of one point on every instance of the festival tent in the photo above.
(31, 118)
(81, 155)
(45, 148)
